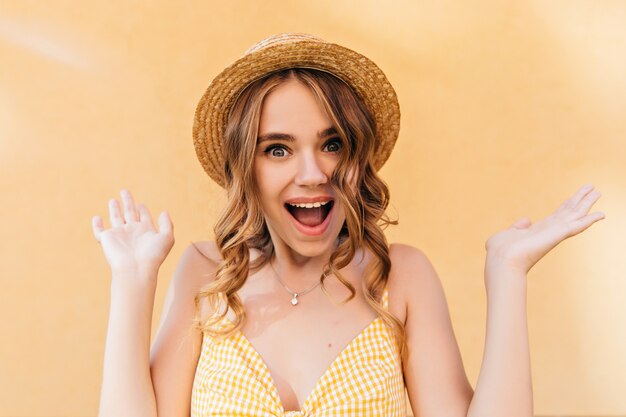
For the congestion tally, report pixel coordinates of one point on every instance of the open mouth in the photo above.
(310, 217)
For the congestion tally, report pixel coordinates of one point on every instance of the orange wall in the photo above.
(507, 107)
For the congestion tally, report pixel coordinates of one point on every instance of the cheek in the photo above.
(272, 177)
(268, 187)
(262, 177)
(352, 178)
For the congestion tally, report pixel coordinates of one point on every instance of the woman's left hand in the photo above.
(520, 246)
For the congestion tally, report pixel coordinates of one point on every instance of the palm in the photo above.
(133, 243)
(524, 243)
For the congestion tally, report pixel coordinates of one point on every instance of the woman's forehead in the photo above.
(292, 109)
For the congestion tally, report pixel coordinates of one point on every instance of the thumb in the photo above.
(165, 223)
(522, 223)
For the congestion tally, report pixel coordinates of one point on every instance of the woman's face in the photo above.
(297, 151)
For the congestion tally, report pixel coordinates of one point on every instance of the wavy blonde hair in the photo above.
(241, 224)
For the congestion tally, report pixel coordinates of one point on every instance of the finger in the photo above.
(573, 201)
(586, 203)
(522, 223)
(165, 223)
(97, 227)
(114, 213)
(577, 226)
(144, 215)
(130, 213)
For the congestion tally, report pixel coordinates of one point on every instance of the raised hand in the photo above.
(132, 245)
(520, 246)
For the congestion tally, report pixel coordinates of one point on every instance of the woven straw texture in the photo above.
(289, 50)
(364, 380)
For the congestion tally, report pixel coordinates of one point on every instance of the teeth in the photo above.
(309, 205)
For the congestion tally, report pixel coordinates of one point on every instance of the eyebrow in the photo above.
(284, 136)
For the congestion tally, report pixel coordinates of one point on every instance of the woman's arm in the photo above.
(135, 250)
(504, 386)
(434, 374)
(435, 379)
(139, 380)
(177, 347)
(126, 382)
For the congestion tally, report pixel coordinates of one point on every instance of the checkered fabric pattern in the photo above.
(365, 379)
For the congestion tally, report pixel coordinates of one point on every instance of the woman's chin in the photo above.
(315, 247)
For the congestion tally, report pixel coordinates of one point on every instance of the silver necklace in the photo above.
(294, 299)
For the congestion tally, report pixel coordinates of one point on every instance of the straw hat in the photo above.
(289, 50)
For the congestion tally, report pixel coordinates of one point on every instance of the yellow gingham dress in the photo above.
(365, 379)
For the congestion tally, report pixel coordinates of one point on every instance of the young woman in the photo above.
(300, 306)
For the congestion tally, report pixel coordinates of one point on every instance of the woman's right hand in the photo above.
(132, 245)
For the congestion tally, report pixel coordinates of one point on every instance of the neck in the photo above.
(299, 271)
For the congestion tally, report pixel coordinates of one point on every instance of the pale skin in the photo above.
(143, 381)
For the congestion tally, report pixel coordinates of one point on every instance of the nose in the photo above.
(310, 173)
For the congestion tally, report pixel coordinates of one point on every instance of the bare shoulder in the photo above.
(430, 339)
(194, 270)
(207, 249)
(204, 257)
(412, 277)
(176, 349)
(404, 253)
(410, 264)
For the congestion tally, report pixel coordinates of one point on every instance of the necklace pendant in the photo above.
(294, 300)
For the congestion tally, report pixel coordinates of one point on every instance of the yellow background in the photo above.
(507, 108)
